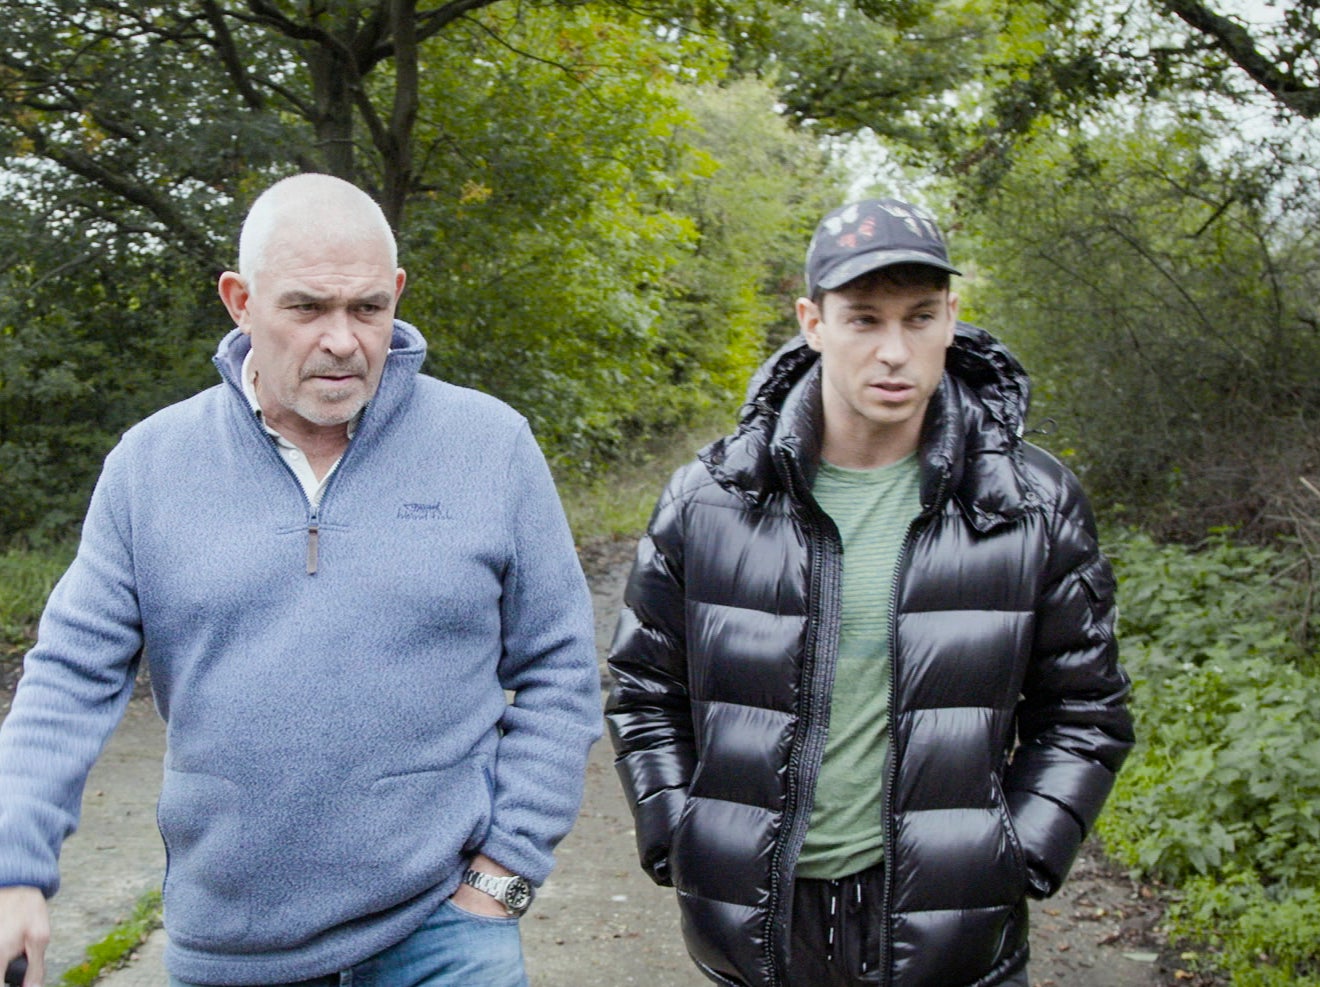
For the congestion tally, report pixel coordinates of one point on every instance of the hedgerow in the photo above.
(1221, 797)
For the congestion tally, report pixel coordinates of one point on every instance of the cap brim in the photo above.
(855, 267)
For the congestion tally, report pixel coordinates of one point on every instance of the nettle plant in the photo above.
(1222, 795)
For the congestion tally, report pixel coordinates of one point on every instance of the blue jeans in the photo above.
(453, 948)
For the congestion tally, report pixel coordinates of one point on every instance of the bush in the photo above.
(1222, 795)
(1273, 935)
(1163, 301)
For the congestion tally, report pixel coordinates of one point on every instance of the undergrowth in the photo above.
(26, 579)
(616, 502)
(1221, 798)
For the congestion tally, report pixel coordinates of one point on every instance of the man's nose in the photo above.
(337, 335)
(891, 346)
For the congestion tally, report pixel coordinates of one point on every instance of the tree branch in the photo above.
(573, 73)
(222, 39)
(431, 22)
(175, 223)
(1236, 42)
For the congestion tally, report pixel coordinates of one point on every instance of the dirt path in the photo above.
(598, 921)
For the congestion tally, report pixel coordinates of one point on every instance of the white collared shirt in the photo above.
(289, 452)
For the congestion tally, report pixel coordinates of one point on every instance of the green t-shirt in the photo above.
(872, 510)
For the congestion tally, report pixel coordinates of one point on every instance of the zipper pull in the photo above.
(313, 536)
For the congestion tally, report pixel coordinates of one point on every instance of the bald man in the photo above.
(367, 631)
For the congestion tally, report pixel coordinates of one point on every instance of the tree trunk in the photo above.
(396, 155)
(333, 81)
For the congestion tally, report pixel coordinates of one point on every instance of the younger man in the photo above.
(866, 693)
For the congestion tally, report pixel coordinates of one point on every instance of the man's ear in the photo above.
(809, 316)
(234, 293)
(953, 316)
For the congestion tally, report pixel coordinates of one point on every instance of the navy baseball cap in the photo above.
(865, 236)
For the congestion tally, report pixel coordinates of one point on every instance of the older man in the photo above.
(367, 631)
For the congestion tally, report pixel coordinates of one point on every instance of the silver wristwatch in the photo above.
(514, 893)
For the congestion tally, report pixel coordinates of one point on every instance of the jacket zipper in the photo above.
(313, 543)
(804, 754)
(891, 779)
(313, 513)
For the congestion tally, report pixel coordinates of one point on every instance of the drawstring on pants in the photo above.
(834, 919)
(835, 931)
(858, 886)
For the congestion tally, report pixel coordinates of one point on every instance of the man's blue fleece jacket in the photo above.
(357, 699)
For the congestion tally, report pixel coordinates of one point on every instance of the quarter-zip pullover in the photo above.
(334, 681)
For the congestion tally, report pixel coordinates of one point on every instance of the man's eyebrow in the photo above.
(933, 300)
(380, 299)
(297, 297)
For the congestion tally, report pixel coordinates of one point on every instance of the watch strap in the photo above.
(513, 892)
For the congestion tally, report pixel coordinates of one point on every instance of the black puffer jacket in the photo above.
(1009, 718)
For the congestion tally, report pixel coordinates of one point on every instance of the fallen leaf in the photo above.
(1141, 957)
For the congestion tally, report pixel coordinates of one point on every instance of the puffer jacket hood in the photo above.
(971, 434)
(1008, 707)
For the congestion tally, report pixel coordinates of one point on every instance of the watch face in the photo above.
(518, 895)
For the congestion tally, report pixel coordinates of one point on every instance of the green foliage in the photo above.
(611, 262)
(1222, 795)
(1161, 299)
(26, 579)
(128, 115)
(543, 279)
(971, 84)
(1271, 934)
(94, 334)
(616, 504)
(883, 67)
(112, 951)
(754, 198)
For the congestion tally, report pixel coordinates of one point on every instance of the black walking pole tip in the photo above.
(16, 971)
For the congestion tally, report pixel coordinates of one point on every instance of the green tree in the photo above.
(956, 86)
(1163, 297)
(160, 115)
(611, 262)
(580, 242)
(92, 338)
(541, 274)
(1280, 55)
(882, 66)
(759, 190)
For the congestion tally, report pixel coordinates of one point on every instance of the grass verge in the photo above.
(114, 950)
(616, 502)
(26, 579)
